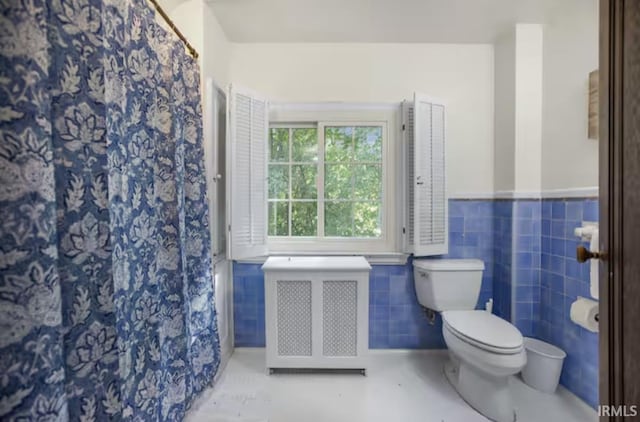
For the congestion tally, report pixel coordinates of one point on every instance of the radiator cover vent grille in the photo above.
(294, 318)
(340, 318)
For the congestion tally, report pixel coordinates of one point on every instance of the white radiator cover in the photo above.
(317, 312)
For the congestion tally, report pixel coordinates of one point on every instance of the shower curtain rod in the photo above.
(175, 29)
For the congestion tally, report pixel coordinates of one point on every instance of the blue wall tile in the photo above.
(502, 256)
(396, 320)
(563, 279)
(537, 278)
(248, 311)
(558, 210)
(526, 265)
(531, 273)
(590, 210)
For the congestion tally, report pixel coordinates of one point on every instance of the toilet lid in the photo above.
(484, 329)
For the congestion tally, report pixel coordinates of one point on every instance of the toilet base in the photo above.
(489, 395)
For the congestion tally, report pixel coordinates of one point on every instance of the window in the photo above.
(335, 178)
(334, 181)
(353, 181)
(293, 184)
(326, 180)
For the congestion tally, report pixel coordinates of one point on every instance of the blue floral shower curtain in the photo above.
(106, 295)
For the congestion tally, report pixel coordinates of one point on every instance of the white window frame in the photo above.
(322, 115)
(289, 163)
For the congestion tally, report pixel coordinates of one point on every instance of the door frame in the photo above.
(619, 92)
(609, 324)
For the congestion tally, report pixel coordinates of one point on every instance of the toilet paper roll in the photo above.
(584, 312)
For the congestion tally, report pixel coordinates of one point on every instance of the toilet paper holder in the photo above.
(589, 233)
(585, 313)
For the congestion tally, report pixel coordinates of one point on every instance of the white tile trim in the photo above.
(504, 194)
(587, 192)
(517, 195)
(475, 195)
(590, 192)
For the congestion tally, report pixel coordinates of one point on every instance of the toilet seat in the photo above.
(484, 330)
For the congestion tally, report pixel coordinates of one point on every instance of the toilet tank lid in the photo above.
(449, 264)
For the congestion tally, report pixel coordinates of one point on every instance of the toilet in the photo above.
(484, 350)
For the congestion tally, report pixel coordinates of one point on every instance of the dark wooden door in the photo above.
(620, 204)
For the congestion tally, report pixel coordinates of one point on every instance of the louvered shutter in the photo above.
(246, 165)
(426, 213)
(408, 152)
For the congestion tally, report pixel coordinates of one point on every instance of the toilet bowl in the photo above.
(484, 350)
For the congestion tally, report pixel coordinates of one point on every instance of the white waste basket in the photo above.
(544, 365)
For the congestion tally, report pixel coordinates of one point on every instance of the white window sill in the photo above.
(373, 259)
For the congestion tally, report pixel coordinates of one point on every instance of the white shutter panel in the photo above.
(247, 169)
(430, 202)
(408, 154)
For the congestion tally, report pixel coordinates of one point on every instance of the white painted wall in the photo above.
(504, 112)
(461, 75)
(216, 49)
(569, 159)
(528, 108)
(480, 160)
(197, 22)
(184, 14)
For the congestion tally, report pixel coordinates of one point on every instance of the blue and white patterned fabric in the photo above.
(106, 294)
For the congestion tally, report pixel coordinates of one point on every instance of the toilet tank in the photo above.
(448, 284)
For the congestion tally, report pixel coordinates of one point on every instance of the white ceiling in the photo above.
(432, 21)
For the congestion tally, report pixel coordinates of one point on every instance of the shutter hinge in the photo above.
(229, 228)
(404, 231)
(403, 127)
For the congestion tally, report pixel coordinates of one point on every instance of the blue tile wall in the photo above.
(471, 232)
(530, 271)
(396, 320)
(248, 305)
(526, 265)
(502, 257)
(562, 280)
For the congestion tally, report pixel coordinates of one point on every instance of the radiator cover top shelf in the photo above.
(316, 263)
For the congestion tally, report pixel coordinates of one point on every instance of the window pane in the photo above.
(352, 181)
(304, 218)
(278, 181)
(366, 219)
(338, 142)
(368, 143)
(303, 181)
(338, 181)
(278, 218)
(305, 145)
(368, 181)
(338, 219)
(279, 144)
